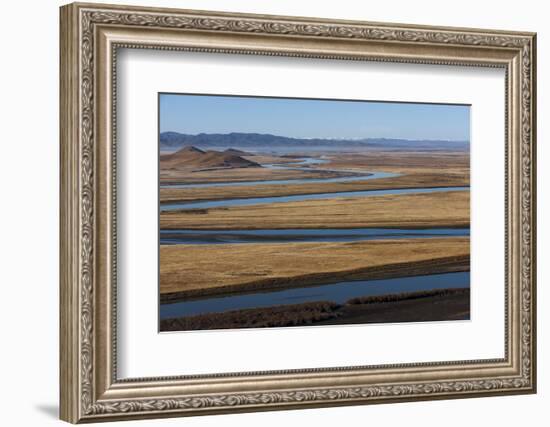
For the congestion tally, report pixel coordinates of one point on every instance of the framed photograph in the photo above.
(266, 212)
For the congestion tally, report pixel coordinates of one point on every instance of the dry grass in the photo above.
(405, 181)
(377, 299)
(405, 162)
(209, 269)
(442, 209)
(275, 316)
(193, 175)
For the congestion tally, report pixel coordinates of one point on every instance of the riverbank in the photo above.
(439, 209)
(241, 268)
(430, 305)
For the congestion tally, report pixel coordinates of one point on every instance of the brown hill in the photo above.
(194, 157)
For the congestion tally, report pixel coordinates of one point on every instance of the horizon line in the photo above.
(358, 138)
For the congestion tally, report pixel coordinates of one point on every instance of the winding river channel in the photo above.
(301, 197)
(338, 291)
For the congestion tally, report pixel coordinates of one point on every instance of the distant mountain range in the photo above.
(175, 140)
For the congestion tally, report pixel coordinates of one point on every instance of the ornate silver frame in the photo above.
(90, 36)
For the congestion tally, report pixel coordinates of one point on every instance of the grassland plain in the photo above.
(442, 209)
(409, 180)
(403, 161)
(265, 266)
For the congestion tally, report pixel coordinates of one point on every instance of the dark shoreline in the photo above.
(421, 306)
(387, 271)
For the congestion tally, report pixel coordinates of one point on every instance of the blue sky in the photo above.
(310, 118)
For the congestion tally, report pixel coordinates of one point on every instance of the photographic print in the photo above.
(306, 212)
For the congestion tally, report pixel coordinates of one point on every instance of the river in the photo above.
(301, 197)
(338, 292)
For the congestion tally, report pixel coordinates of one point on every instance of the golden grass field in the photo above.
(404, 162)
(444, 209)
(410, 180)
(211, 269)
